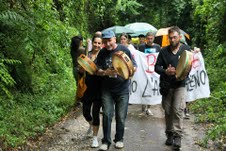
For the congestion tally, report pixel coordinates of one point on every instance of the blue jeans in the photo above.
(119, 103)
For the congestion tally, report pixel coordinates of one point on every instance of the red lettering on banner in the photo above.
(195, 62)
(133, 56)
(151, 60)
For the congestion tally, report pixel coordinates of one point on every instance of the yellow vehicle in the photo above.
(135, 40)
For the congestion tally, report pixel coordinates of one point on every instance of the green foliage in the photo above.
(28, 115)
(36, 60)
(212, 110)
(128, 6)
(6, 79)
(105, 13)
(101, 14)
(173, 12)
(210, 20)
(74, 14)
(10, 18)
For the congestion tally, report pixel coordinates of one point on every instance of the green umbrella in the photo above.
(119, 30)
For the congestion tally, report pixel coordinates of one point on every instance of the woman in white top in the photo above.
(124, 40)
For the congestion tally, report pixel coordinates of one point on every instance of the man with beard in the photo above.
(173, 97)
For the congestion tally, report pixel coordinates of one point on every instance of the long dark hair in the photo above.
(96, 36)
(75, 42)
(125, 35)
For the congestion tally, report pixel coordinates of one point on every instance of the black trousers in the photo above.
(92, 106)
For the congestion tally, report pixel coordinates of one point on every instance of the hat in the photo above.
(108, 34)
(141, 35)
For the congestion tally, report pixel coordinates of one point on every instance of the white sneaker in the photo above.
(119, 145)
(187, 116)
(149, 112)
(95, 143)
(89, 131)
(103, 147)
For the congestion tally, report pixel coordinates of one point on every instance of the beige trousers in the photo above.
(174, 104)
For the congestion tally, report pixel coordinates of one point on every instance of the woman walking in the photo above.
(92, 96)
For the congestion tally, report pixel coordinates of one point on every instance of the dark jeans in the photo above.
(119, 103)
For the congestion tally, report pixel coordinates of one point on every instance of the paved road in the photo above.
(142, 133)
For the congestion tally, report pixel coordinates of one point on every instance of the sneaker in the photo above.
(149, 112)
(187, 116)
(101, 110)
(177, 142)
(169, 140)
(95, 143)
(103, 147)
(89, 131)
(78, 104)
(119, 145)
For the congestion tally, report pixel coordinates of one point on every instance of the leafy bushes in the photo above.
(35, 70)
(29, 115)
(212, 110)
(209, 16)
(6, 79)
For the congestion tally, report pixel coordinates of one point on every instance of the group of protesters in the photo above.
(106, 89)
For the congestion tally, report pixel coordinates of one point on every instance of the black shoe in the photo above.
(169, 140)
(177, 142)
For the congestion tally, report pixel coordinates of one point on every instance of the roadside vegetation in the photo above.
(37, 87)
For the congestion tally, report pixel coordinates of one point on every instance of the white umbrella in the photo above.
(141, 27)
(119, 30)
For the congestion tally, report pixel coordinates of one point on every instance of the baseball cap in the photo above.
(108, 34)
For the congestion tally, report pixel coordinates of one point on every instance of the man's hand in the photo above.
(111, 72)
(196, 50)
(80, 69)
(170, 70)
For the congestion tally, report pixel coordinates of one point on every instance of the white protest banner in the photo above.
(144, 88)
(197, 83)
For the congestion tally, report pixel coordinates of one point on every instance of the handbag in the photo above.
(81, 88)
